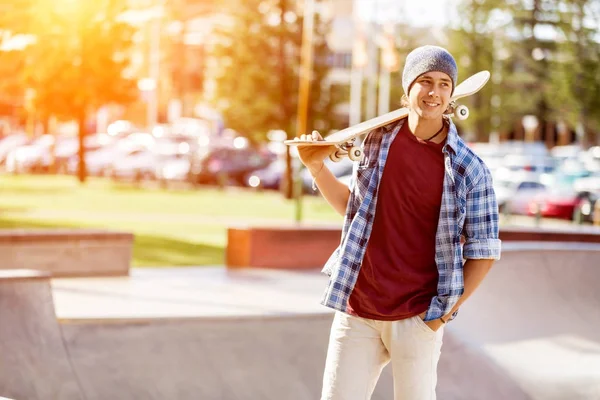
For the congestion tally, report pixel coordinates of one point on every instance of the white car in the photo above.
(10, 143)
(173, 168)
(99, 162)
(513, 193)
(138, 164)
(588, 184)
(29, 157)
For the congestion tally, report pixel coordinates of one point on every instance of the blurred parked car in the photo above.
(228, 165)
(514, 191)
(99, 162)
(533, 149)
(28, 158)
(69, 147)
(557, 202)
(568, 152)
(588, 184)
(137, 165)
(586, 209)
(10, 143)
(177, 166)
(529, 163)
(174, 169)
(269, 177)
(570, 171)
(591, 159)
(40, 153)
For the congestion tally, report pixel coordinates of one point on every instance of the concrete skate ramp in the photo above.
(530, 332)
(536, 317)
(278, 358)
(34, 363)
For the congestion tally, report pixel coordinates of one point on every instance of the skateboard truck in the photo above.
(354, 153)
(461, 112)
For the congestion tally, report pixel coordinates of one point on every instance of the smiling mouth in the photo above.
(431, 104)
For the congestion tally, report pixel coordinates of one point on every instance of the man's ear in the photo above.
(404, 101)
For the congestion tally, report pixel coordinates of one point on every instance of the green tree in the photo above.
(258, 57)
(472, 43)
(16, 17)
(322, 102)
(531, 62)
(76, 63)
(555, 80)
(248, 76)
(575, 68)
(12, 88)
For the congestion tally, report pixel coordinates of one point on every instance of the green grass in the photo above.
(171, 227)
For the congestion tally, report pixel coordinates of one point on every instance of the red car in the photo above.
(557, 203)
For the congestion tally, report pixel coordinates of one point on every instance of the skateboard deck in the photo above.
(344, 137)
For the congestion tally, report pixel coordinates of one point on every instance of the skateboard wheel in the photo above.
(462, 112)
(335, 156)
(355, 153)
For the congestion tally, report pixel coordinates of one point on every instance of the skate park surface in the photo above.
(531, 331)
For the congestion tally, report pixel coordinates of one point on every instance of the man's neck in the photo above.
(425, 129)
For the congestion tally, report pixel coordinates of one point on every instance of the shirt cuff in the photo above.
(482, 249)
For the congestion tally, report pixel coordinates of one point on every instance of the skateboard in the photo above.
(344, 139)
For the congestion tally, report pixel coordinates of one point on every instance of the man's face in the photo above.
(430, 94)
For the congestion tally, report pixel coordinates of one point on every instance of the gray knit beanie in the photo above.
(425, 59)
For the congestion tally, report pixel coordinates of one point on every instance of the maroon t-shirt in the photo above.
(399, 276)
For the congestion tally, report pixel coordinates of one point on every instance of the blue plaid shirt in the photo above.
(468, 209)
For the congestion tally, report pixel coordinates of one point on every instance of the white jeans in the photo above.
(359, 349)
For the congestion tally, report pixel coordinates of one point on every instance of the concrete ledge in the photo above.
(301, 247)
(285, 247)
(22, 275)
(67, 252)
(582, 234)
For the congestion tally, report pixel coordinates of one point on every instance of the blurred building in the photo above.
(168, 57)
(370, 36)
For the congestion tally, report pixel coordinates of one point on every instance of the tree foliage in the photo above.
(76, 60)
(575, 69)
(472, 43)
(257, 69)
(78, 54)
(544, 59)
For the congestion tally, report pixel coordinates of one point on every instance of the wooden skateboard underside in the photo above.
(466, 88)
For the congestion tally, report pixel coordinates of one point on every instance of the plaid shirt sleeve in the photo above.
(481, 221)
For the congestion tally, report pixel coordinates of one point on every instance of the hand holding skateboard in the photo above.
(313, 156)
(335, 150)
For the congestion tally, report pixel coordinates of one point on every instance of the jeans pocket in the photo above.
(423, 326)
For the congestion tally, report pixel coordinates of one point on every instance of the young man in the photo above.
(398, 276)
